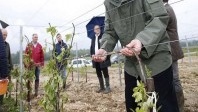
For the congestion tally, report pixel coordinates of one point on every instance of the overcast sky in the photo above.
(38, 13)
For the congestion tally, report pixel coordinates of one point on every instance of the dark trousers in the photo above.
(163, 86)
(1, 99)
(37, 73)
(99, 71)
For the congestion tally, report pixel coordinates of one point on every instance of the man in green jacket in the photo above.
(141, 25)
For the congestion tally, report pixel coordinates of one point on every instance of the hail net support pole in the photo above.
(119, 66)
(188, 50)
(77, 62)
(21, 68)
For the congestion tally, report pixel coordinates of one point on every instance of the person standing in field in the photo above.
(60, 47)
(141, 25)
(8, 52)
(177, 53)
(8, 55)
(101, 67)
(38, 59)
(3, 64)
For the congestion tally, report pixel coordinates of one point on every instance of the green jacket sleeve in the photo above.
(156, 23)
(109, 38)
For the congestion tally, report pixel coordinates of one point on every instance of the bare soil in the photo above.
(83, 98)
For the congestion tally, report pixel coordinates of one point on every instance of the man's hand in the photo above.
(99, 56)
(135, 44)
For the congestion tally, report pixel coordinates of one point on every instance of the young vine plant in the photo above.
(54, 98)
(146, 101)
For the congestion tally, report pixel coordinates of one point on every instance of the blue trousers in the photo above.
(63, 74)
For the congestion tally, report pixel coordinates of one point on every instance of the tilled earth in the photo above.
(83, 98)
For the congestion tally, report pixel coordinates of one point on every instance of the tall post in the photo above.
(119, 66)
(77, 61)
(188, 50)
(21, 68)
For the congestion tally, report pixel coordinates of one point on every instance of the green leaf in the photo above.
(52, 30)
(137, 96)
(148, 72)
(68, 37)
(139, 109)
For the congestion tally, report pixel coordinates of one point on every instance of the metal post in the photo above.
(72, 74)
(119, 66)
(21, 68)
(188, 50)
(86, 73)
(77, 61)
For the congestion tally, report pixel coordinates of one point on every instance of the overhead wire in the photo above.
(60, 25)
(96, 15)
(167, 42)
(82, 15)
(110, 11)
(37, 11)
(89, 18)
(130, 17)
(29, 25)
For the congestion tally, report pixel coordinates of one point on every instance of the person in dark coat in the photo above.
(103, 66)
(3, 63)
(177, 53)
(60, 46)
(8, 55)
(8, 52)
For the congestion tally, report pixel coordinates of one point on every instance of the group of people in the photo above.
(37, 55)
(151, 22)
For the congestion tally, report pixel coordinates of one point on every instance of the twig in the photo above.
(142, 75)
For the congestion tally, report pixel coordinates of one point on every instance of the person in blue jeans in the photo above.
(60, 46)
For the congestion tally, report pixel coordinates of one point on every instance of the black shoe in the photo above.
(64, 86)
(107, 90)
(100, 90)
(101, 82)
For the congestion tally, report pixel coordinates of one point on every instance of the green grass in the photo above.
(116, 65)
(9, 105)
(191, 49)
